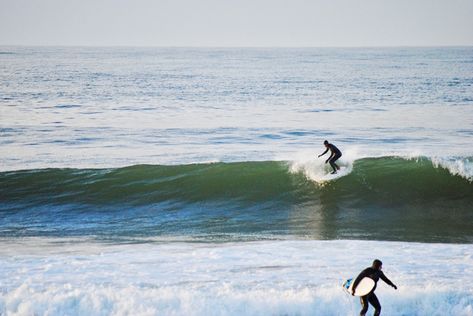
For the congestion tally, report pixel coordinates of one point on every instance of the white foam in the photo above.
(462, 167)
(252, 278)
(315, 168)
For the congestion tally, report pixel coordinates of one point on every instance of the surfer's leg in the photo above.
(375, 302)
(336, 158)
(333, 164)
(364, 305)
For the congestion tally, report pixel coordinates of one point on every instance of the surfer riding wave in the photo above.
(335, 154)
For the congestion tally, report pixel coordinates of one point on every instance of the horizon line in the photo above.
(230, 47)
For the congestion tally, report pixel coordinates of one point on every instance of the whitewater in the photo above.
(185, 181)
(252, 278)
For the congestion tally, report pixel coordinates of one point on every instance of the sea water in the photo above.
(185, 181)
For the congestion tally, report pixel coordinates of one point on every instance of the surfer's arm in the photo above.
(331, 155)
(323, 153)
(385, 279)
(358, 279)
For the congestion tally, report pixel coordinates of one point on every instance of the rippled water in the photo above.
(103, 107)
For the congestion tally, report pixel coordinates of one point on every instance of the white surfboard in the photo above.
(364, 287)
(340, 173)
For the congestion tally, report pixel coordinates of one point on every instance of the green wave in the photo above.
(384, 198)
(372, 180)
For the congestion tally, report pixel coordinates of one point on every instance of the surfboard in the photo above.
(340, 173)
(364, 287)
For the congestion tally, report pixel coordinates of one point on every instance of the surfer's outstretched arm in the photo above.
(323, 153)
(385, 279)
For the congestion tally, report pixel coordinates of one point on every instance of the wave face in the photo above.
(385, 198)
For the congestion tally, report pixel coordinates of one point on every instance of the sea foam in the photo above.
(287, 277)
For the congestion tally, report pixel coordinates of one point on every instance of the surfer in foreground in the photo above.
(374, 272)
(335, 153)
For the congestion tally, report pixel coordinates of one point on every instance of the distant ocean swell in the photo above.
(276, 197)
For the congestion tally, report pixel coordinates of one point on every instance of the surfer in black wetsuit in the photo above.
(374, 272)
(335, 153)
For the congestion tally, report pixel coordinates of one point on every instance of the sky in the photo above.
(247, 23)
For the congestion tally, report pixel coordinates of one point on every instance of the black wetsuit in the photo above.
(336, 153)
(371, 297)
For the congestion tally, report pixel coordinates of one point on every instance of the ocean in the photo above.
(185, 181)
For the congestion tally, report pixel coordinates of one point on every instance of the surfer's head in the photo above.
(326, 143)
(377, 264)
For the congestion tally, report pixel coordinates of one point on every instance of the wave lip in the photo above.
(457, 167)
